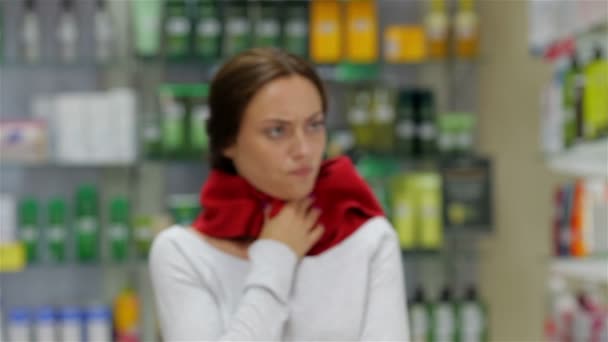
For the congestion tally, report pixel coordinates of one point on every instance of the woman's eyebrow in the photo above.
(281, 120)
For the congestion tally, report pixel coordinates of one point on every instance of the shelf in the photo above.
(585, 159)
(589, 269)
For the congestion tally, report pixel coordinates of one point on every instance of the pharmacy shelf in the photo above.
(585, 159)
(587, 269)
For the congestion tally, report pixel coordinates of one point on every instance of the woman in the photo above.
(288, 247)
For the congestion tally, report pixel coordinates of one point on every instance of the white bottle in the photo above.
(18, 325)
(67, 33)
(99, 324)
(103, 33)
(31, 34)
(45, 325)
(71, 324)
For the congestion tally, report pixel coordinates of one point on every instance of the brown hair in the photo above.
(236, 83)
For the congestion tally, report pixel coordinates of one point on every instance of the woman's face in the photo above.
(280, 144)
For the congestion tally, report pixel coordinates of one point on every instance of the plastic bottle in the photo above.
(71, 324)
(29, 231)
(444, 318)
(104, 35)
(436, 23)
(67, 33)
(466, 30)
(45, 325)
(420, 317)
(126, 316)
(177, 30)
(119, 230)
(473, 320)
(595, 98)
(57, 231)
(405, 124)
(31, 33)
(99, 324)
(87, 224)
(208, 30)
(18, 325)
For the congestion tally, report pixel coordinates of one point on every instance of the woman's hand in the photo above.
(295, 225)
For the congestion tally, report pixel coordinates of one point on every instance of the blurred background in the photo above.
(481, 125)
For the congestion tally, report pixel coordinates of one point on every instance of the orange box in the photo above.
(405, 44)
(326, 31)
(361, 31)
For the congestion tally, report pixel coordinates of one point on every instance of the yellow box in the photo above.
(361, 31)
(12, 257)
(326, 31)
(405, 44)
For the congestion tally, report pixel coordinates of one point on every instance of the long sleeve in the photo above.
(189, 311)
(386, 316)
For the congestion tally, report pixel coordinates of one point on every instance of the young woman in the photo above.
(288, 247)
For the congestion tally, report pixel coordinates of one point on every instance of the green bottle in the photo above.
(29, 231)
(147, 26)
(199, 114)
(57, 230)
(595, 96)
(142, 235)
(174, 104)
(177, 28)
(569, 94)
(473, 323)
(295, 28)
(359, 117)
(405, 125)
(444, 319)
(267, 30)
(119, 231)
(208, 30)
(426, 128)
(87, 224)
(420, 324)
(237, 30)
(383, 114)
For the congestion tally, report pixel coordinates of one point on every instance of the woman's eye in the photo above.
(317, 125)
(275, 132)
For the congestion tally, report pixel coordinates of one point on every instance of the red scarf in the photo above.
(233, 209)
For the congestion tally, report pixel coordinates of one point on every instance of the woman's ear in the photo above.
(230, 151)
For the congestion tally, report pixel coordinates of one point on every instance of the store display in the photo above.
(382, 114)
(456, 134)
(326, 31)
(82, 122)
(419, 313)
(24, 141)
(361, 45)
(184, 114)
(467, 194)
(31, 35)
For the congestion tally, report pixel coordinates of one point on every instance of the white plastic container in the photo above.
(98, 324)
(71, 324)
(46, 325)
(18, 325)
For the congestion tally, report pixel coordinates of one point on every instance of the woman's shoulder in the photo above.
(171, 244)
(373, 234)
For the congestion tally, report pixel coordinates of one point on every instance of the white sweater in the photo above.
(352, 292)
